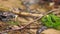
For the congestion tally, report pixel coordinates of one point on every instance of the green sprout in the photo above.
(51, 21)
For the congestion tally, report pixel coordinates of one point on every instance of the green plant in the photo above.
(51, 21)
(13, 22)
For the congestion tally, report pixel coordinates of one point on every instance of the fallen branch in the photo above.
(23, 13)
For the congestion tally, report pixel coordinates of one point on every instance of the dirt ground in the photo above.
(31, 29)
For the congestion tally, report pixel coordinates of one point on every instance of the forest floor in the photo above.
(26, 16)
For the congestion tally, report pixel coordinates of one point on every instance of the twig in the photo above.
(23, 13)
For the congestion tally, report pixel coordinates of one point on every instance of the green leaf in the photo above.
(51, 20)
